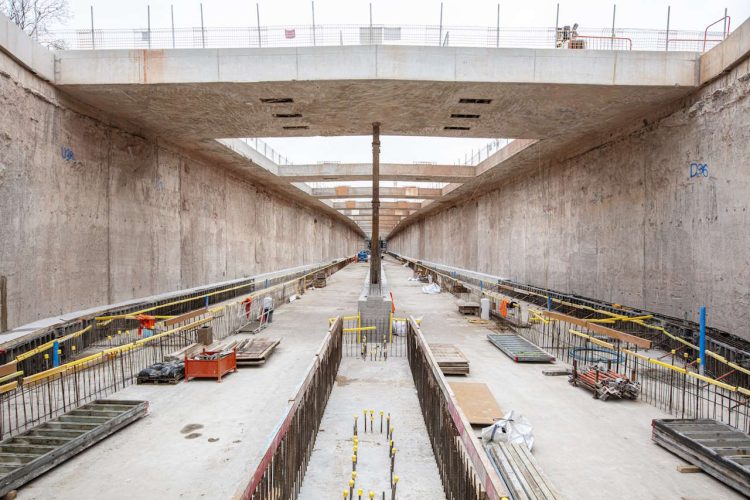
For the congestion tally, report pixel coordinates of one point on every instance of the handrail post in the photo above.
(203, 31)
(93, 41)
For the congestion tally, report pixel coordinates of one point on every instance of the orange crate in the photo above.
(210, 368)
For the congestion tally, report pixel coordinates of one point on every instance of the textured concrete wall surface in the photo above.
(624, 222)
(91, 214)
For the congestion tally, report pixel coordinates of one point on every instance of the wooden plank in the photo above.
(599, 329)
(188, 351)
(8, 368)
(184, 317)
(688, 469)
(477, 402)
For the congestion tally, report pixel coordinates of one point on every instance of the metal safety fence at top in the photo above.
(418, 35)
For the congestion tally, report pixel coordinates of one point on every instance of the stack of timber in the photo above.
(718, 449)
(222, 346)
(450, 360)
(469, 308)
(188, 351)
(520, 472)
(605, 384)
(31, 454)
(255, 352)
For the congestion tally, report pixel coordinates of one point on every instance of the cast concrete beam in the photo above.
(382, 211)
(342, 90)
(357, 205)
(388, 172)
(343, 192)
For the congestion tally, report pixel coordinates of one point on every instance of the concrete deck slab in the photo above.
(376, 385)
(588, 448)
(158, 458)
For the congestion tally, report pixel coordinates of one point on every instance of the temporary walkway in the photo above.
(587, 448)
(202, 439)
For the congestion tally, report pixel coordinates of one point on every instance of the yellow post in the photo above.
(359, 325)
(390, 327)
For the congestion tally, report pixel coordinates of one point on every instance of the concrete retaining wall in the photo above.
(624, 222)
(91, 214)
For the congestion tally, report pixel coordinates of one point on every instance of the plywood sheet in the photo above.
(477, 402)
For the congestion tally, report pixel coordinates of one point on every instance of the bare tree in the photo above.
(35, 16)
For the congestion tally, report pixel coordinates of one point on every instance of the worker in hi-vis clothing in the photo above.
(268, 309)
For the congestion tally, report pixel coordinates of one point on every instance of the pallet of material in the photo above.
(470, 308)
(519, 349)
(520, 472)
(31, 454)
(189, 351)
(450, 360)
(255, 352)
(720, 450)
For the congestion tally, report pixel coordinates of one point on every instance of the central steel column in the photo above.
(375, 239)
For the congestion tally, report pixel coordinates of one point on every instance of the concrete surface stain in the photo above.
(212, 440)
(193, 435)
(190, 428)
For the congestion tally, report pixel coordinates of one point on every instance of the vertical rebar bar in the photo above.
(257, 16)
(148, 15)
(666, 42)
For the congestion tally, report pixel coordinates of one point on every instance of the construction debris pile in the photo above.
(605, 383)
(319, 280)
(168, 372)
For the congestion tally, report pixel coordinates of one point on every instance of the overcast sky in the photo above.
(685, 14)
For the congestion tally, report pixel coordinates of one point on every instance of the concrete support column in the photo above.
(375, 246)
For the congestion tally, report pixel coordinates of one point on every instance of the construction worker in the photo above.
(267, 310)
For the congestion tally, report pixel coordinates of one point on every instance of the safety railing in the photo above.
(583, 331)
(669, 380)
(32, 400)
(463, 465)
(263, 148)
(50, 347)
(374, 339)
(111, 359)
(282, 466)
(347, 34)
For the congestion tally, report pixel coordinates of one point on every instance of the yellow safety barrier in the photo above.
(360, 329)
(223, 290)
(11, 376)
(49, 344)
(111, 352)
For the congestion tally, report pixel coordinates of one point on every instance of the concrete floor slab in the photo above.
(376, 385)
(588, 448)
(202, 439)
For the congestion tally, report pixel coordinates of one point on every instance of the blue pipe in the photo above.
(549, 302)
(55, 355)
(702, 344)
